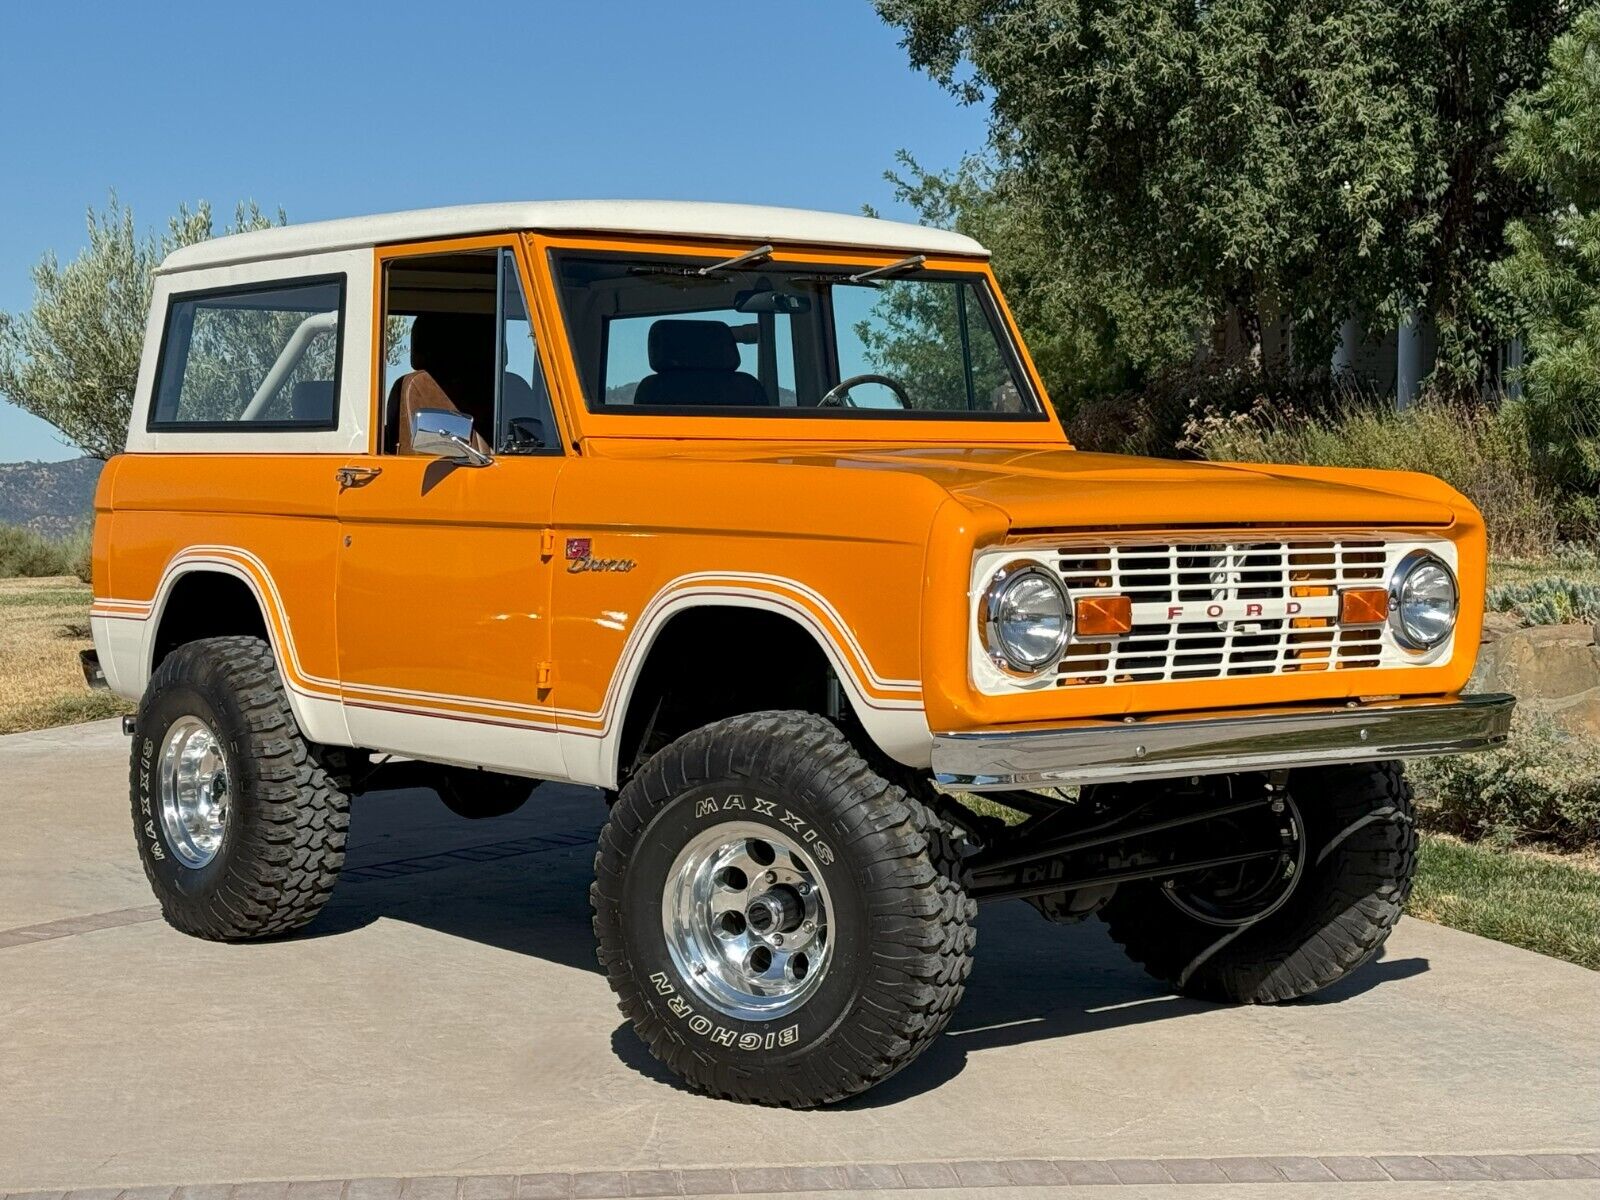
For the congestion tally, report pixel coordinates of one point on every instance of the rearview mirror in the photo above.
(446, 434)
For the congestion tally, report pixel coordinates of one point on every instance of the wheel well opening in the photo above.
(206, 604)
(715, 662)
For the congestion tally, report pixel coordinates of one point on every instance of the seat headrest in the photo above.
(451, 344)
(692, 346)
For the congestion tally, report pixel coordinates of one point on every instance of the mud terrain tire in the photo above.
(1361, 855)
(900, 918)
(282, 837)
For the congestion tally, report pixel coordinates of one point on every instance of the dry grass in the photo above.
(43, 625)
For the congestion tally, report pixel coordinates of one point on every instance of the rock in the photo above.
(1497, 625)
(1552, 670)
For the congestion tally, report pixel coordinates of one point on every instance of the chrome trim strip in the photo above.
(1254, 740)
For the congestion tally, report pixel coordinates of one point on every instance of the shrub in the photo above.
(23, 552)
(1550, 601)
(1482, 452)
(1542, 786)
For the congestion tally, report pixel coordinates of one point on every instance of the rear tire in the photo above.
(1361, 855)
(779, 809)
(240, 827)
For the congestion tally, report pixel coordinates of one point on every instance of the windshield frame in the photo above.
(796, 423)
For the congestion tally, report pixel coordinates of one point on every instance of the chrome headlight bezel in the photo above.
(1405, 574)
(992, 616)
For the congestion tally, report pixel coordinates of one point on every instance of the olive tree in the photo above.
(73, 358)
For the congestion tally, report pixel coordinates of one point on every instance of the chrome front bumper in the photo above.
(1253, 740)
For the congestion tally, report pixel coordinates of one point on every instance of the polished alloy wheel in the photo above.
(194, 791)
(1243, 893)
(746, 921)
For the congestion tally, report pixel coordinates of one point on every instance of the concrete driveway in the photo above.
(442, 1033)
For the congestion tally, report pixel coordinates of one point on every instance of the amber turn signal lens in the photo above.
(1363, 606)
(1102, 615)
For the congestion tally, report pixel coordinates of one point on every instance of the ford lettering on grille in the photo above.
(1209, 610)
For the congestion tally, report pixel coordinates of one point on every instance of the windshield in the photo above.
(752, 337)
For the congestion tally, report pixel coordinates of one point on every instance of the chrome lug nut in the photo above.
(772, 877)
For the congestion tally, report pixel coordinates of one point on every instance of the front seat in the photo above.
(452, 368)
(697, 363)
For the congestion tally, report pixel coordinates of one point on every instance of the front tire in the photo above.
(780, 924)
(240, 828)
(1360, 846)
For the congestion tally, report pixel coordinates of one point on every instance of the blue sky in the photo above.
(330, 109)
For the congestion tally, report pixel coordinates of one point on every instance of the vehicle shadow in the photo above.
(520, 883)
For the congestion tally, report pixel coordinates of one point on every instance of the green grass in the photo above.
(1535, 901)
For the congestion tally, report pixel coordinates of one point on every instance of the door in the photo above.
(445, 568)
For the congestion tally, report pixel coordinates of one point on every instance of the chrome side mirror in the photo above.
(446, 434)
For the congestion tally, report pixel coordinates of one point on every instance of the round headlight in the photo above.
(1423, 600)
(1025, 618)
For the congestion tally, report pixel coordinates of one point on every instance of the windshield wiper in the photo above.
(890, 270)
(749, 257)
(870, 278)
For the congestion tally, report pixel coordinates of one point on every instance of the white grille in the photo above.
(1214, 610)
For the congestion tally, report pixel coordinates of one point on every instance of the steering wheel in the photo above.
(839, 394)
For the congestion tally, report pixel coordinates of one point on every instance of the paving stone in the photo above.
(1138, 1170)
(1299, 1168)
(260, 1191)
(1194, 1170)
(653, 1183)
(706, 1181)
(32, 1195)
(550, 1185)
(204, 1191)
(366, 1189)
(929, 1175)
(94, 1194)
(1409, 1167)
(814, 1179)
(1567, 1166)
(486, 1187)
(606, 1184)
(1352, 1168)
(873, 1177)
(1461, 1166)
(1513, 1166)
(149, 1193)
(317, 1189)
(1081, 1171)
(1033, 1172)
(980, 1174)
(430, 1187)
(1248, 1170)
(760, 1179)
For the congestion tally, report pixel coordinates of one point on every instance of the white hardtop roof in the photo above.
(679, 218)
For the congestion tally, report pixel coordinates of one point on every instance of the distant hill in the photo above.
(52, 498)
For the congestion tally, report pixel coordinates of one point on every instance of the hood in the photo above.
(1061, 488)
(1056, 489)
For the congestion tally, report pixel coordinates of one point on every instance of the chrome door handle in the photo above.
(350, 477)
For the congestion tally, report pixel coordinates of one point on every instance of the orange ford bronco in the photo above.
(760, 521)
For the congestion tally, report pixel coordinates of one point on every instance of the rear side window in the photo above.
(263, 356)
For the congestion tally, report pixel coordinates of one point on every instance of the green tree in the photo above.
(1279, 158)
(73, 358)
(1553, 271)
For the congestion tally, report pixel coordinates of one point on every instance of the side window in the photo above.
(695, 343)
(457, 337)
(526, 422)
(263, 356)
